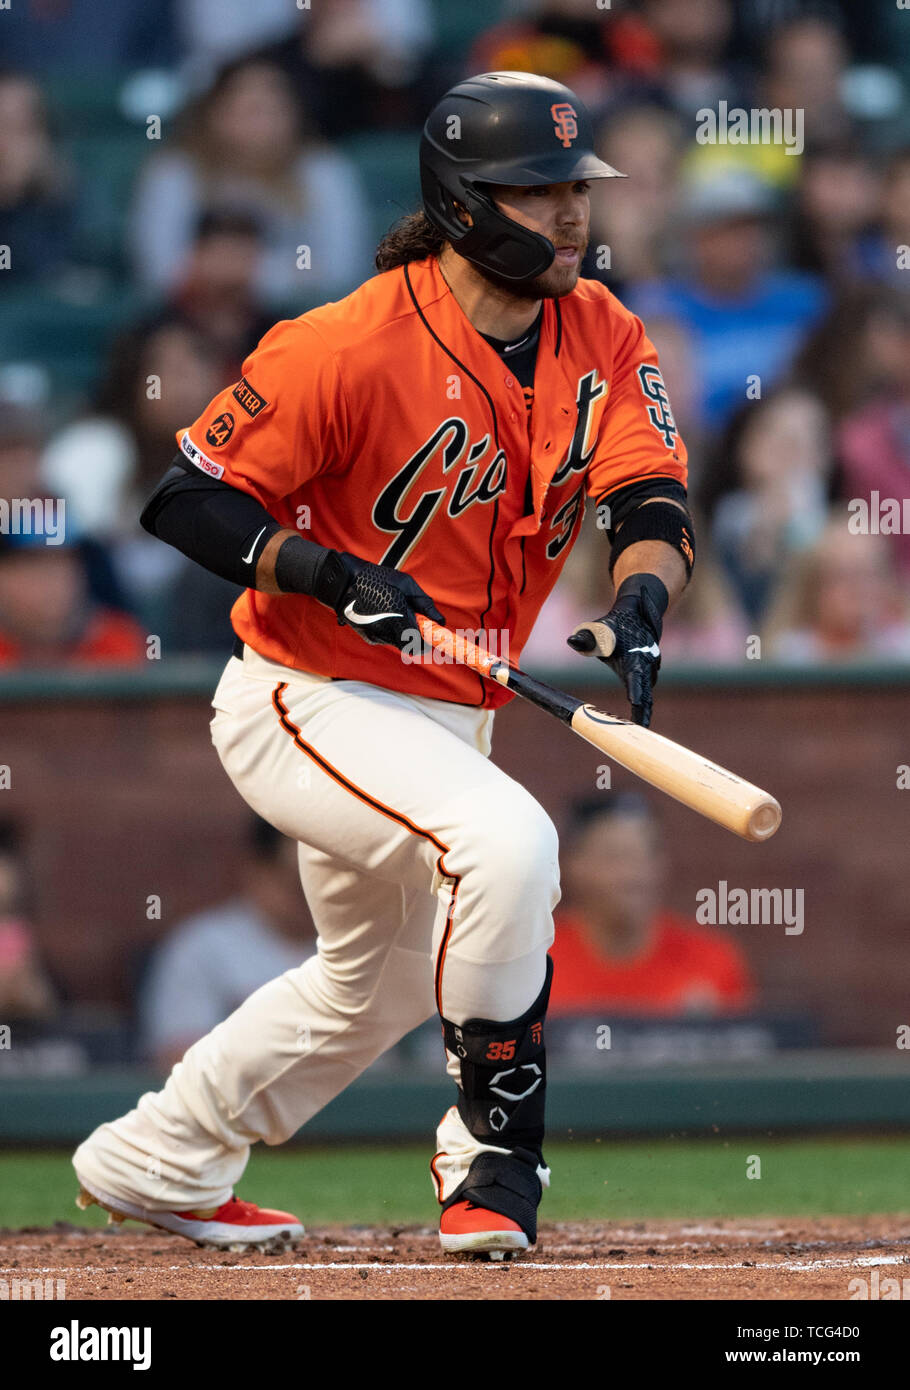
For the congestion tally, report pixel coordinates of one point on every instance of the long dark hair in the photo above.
(412, 238)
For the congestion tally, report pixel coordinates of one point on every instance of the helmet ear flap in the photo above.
(492, 241)
(439, 205)
(498, 244)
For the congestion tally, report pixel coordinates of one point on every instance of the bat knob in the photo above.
(583, 641)
(764, 820)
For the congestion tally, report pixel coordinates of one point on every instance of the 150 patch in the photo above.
(251, 400)
(201, 460)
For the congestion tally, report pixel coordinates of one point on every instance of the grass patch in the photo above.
(621, 1181)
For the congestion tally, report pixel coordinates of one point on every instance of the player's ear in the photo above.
(463, 215)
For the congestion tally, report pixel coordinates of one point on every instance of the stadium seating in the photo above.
(70, 340)
(387, 164)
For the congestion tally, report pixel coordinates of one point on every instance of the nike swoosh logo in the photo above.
(653, 650)
(246, 559)
(361, 620)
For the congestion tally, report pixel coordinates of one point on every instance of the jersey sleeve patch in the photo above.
(197, 457)
(251, 401)
(638, 436)
(660, 412)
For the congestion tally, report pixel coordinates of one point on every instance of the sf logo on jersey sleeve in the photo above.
(659, 411)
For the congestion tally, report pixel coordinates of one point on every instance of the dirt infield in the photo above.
(748, 1259)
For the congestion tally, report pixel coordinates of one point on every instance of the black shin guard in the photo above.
(501, 1101)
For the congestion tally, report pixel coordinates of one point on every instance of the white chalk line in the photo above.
(709, 1235)
(793, 1266)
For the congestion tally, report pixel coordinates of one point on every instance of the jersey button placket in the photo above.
(509, 382)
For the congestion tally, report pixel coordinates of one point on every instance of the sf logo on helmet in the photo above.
(565, 122)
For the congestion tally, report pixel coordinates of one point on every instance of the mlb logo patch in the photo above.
(197, 457)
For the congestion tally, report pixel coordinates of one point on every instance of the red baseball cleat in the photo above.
(235, 1225)
(467, 1229)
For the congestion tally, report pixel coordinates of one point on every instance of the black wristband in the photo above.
(298, 565)
(657, 521)
(629, 593)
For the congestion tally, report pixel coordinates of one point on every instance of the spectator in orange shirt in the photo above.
(47, 614)
(615, 947)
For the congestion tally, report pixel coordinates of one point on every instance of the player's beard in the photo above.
(555, 281)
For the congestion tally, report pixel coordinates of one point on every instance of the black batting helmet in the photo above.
(510, 128)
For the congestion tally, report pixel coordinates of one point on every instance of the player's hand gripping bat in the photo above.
(695, 781)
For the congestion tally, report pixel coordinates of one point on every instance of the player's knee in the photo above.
(519, 855)
(335, 984)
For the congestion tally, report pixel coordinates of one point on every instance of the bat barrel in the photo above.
(714, 792)
(709, 789)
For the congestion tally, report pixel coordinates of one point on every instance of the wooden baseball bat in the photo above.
(710, 790)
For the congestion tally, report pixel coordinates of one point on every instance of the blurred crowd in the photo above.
(620, 955)
(174, 178)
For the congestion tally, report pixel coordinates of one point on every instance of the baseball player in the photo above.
(424, 446)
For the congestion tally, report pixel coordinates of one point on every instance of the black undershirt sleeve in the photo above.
(220, 527)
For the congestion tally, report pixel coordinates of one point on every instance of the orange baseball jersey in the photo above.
(386, 426)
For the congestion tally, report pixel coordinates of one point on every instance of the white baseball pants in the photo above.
(431, 876)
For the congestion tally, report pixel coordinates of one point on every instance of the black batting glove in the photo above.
(378, 602)
(636, 623)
